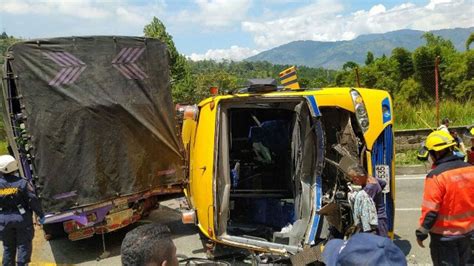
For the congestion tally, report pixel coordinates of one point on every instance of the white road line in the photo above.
(407, 209)
(408, 177)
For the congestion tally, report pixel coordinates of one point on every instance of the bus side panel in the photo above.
(383, 167)
(202, 151)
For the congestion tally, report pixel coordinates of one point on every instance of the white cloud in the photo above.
(234, 53)
(216, 13)
(85, 9)
(52, 18)
(79, 8)
(131, 16)
(323, 21)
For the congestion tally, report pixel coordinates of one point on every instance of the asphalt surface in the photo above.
(409, 190)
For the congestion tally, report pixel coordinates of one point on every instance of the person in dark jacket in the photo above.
(17, 202)
(447, 210)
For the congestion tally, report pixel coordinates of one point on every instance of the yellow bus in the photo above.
(266, 164)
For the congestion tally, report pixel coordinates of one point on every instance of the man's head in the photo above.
(358, 174)
(445, 122)
(439, 144)
(149, 245)
(363, 249)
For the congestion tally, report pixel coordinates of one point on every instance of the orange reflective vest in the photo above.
(448, 199)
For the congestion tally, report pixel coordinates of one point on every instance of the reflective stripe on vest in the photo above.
(442, 230)
(459, 216)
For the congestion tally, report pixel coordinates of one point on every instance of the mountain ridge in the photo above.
(334, 54)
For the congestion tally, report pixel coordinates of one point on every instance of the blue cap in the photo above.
(363, 249)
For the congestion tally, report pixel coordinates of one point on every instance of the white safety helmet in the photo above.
(8, 164)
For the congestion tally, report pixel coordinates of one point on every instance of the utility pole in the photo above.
(437, 90)
(357, 76)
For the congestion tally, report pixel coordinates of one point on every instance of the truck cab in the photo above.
(266, 164)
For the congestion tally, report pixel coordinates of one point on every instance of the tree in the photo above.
(405, 63)
(424, 61)
(370, 58)
(410, 91)
(156, 29)
(4, 36)
(349, 65)
(469, 40)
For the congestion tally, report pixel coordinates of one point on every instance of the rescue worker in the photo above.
(17, 201)
(448, 203)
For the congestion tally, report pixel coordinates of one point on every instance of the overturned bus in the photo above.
(267, 164)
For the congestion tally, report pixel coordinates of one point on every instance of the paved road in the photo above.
(409, 194)
(86, 252)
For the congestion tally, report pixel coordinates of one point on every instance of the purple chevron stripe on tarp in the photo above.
(124, 73)
(141, 72)
(118, 56)
(72, 67)
(124, 62)
(138, 55)
(50, 56)
(134, 74)
(74, 78)
(74, 59)
(64, 75)
(56, 78)
(69, 76)
(59, 57)
(132, 54)
(65, 59)
(125, 55)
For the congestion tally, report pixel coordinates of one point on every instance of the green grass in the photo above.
(3, 147)
(407, 158)
(424, 115)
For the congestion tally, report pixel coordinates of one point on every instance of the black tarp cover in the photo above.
(101, 117)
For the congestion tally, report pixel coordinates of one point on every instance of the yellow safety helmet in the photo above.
(470, 133)
(439, 140)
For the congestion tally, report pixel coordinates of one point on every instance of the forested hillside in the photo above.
(408, 76)
(333, 55)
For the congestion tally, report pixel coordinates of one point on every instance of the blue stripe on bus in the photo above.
(317, 205)
(314, 105)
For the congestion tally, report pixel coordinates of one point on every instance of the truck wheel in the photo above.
(53, 231)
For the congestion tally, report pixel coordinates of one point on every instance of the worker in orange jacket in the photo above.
(447, 211)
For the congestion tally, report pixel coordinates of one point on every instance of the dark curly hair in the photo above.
(150, 243)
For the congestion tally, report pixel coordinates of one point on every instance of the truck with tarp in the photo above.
(92, 123)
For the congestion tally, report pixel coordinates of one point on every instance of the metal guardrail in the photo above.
(459, 129)
(410, 139)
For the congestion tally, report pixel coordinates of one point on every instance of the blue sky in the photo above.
(232, 29)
